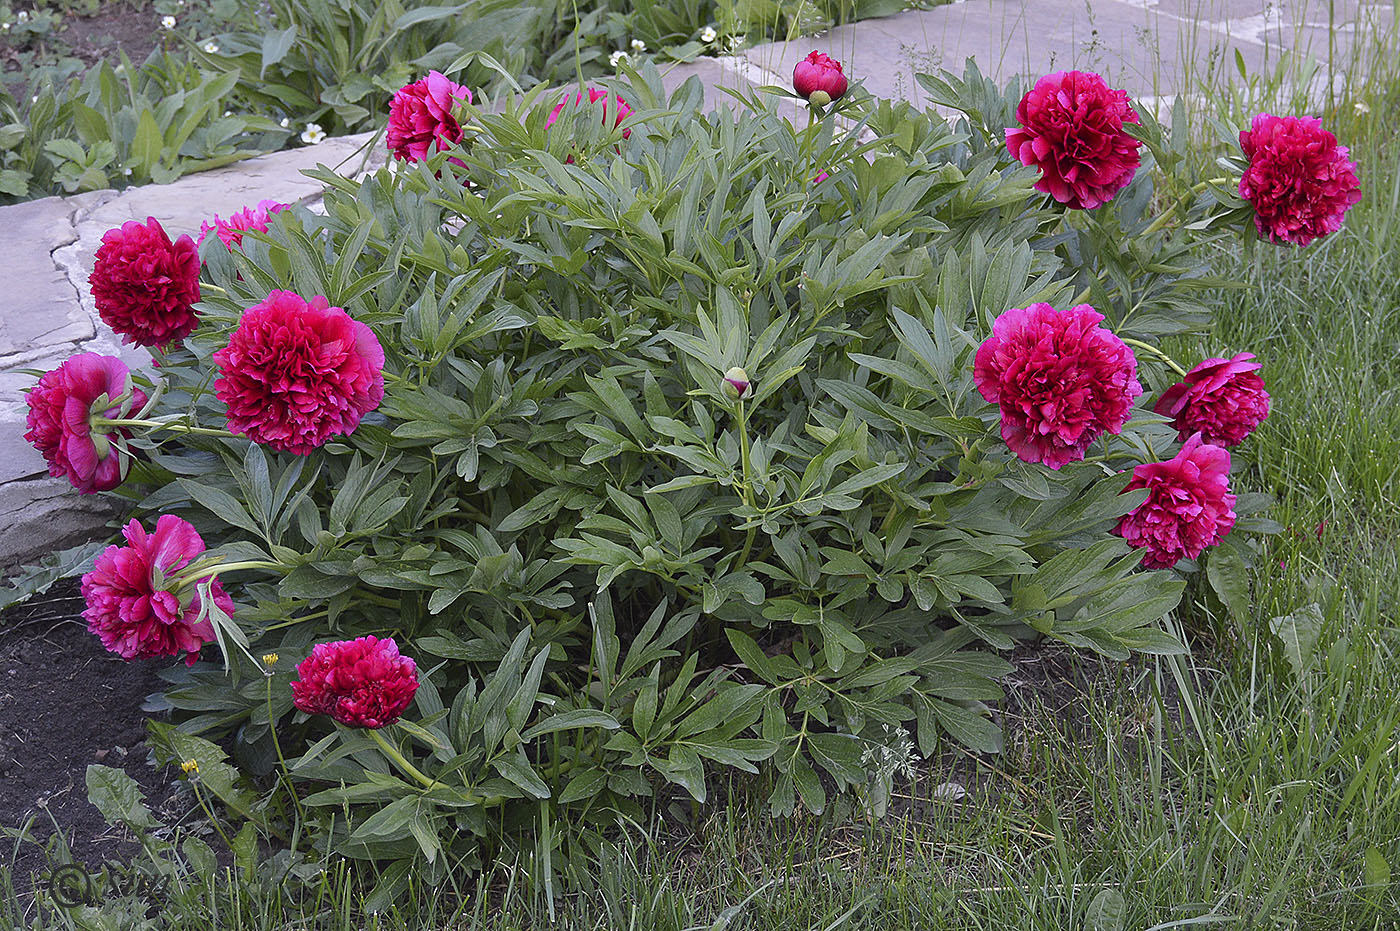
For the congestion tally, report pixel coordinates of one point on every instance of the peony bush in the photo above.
(536, 504)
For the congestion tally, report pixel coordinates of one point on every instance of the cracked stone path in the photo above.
(1155, 49)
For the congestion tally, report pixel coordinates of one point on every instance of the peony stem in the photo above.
(176, 427)
(1171, 363)
(1170, 212)
(393, 753)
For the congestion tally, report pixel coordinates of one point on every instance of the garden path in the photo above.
(1152, 45)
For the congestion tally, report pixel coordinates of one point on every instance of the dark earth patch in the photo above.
(132, 27)
(65, 702)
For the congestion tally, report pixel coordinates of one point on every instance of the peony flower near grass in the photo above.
(297, 373)
(1060, 379)
(61, 408)
(137, 606)
(1071, 128)
(230, 231)
(421, 117)
(819, 79)
(1299, 181)
(363, 682)
(1222, 399)
(146, 286)
(1189, 506)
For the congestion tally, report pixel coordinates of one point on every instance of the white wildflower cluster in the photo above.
(892, 756)
(617, 58)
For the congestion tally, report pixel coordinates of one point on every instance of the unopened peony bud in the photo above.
(818, 77)
(736, 383)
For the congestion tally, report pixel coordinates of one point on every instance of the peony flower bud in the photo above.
(818, 77)
(736, 383)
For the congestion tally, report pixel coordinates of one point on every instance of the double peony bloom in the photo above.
(360, 683)
(146, 286)
(296, 373)
(1188, 508)
(1221, 399)
(1060, 379)
(1299, 181)
(62, 407)
(138, 605)
(1071, 128)
(230, 231)
(421, 117)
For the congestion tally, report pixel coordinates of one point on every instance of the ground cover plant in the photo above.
(208, 82)
(667, 424)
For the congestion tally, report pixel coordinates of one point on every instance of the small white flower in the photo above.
(211, 47)
(1362, 107)
(22, 17)
(617, 58)
(168, 22)
(4, 27)
(736, 41)
(228, 113)
(708, 34)
(638, 45)
(313, 134)
(126, 172)
(285, 121)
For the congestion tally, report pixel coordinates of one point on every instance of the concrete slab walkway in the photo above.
(1152, 48)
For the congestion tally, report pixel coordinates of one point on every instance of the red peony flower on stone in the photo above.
(420, 116)
(1189, 506)
(61, 407)
(297, 372)
(615, 103)
(1222, 399)
(132, 604)
(145, 286)
(1060, 378)
(1299, 181)
(819, 74)
(231, 231)
(360, 683)
(1072, 130)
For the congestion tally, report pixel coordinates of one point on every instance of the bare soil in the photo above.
(129, 26)
(65, 702)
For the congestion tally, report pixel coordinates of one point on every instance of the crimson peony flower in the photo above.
(296, 373)
(1072, 130)
(144, 285)
(61, 407)
(132, 604)
(360, 683)
(1299, 181)
(619, 106)
(1060, 378)
(819, 74)
(420, 115)
(1189, 506)
(1221, 399)
(231, 231)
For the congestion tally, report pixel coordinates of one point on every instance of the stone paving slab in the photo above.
(44, 311)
